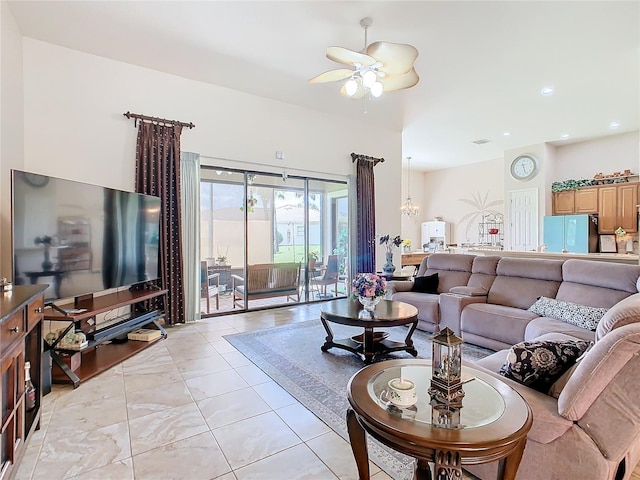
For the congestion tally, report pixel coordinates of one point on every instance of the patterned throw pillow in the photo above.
(538, 364)
(573, 313)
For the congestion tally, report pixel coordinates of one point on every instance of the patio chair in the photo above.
(209, 285)
(330, 276)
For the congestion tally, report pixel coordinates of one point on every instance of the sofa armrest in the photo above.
(469, 291)
(451, 306)
(394, 286)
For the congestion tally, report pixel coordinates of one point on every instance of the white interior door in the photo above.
(523, 219)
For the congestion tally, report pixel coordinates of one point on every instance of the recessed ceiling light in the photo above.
(614, 125)
(564, 136)
(546, 91)
(506, 134)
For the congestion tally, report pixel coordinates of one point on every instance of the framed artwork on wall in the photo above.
(608, 244)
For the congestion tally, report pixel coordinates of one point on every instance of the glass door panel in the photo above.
(271, 240)
(222, 234)
(328, 204)
(276, 239)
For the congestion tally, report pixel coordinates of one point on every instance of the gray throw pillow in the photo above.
(573, 313)
(538, 364)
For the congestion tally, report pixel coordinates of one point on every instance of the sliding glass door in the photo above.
(274, 240)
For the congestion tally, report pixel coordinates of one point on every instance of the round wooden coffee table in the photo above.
(388, 313)
(492, 426)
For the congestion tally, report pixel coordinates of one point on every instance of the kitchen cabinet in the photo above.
(617, 207)
(586, 200)
(564, 202)
(568, 202)
(628, 207)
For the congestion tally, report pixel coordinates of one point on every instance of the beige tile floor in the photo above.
(189, 407)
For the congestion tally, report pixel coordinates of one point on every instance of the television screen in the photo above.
(81, 238)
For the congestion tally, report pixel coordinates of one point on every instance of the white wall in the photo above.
(11, 125)
(461, 195)
(74, 128)
(607, 155)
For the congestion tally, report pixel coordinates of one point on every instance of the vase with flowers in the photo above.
(388, 268)
(369, 289)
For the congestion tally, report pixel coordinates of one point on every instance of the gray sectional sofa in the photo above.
(485, 299)
(587, 426)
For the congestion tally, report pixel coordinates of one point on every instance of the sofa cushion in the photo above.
(426, 303)
(623, 313)
(520, 281)
(539, 363)
(426, 284)
(579, 315)
(545, 325)
(504, 324)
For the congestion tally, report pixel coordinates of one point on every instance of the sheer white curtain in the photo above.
(190, 197)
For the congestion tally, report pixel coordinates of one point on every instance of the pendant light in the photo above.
(409, 209)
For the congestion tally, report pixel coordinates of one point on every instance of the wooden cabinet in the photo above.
(564, 202)
(617, 207)
(628, 207)
(100, 355)
(586, 200)
(20, 341)
(568, 202)
(607, 209)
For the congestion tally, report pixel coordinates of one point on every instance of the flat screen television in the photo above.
(81, 238)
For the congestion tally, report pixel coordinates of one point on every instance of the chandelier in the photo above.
(409, 209)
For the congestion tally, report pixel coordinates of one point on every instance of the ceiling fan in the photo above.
(379, 67)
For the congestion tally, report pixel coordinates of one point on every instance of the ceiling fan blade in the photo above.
(396, 57)
(356, 96)
(349, 57)
(398, 82)
(332, 76)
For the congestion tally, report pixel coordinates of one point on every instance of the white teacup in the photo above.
(401, 393)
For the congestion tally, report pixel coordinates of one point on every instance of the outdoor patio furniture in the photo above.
(267, 280)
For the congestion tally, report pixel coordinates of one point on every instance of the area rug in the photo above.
(291, 356)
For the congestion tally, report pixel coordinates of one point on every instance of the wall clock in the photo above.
(524, 167)
(36, 180)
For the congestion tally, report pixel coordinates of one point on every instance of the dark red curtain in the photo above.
(366, 223)
(158, 173)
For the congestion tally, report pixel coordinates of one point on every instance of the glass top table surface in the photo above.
(482, 404)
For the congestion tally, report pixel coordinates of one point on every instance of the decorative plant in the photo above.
(252, 201)
(406, 243)
(368, 285)
(222, 258)
(389, 242)
(571, 184)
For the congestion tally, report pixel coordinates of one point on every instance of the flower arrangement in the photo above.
(620, 232)
(389, 242)
(368, 285)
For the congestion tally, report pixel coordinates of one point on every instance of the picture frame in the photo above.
(608, 244)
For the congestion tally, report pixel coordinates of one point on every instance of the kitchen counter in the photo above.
(629, 258)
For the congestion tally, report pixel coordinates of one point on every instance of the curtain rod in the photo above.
(137, 117)
(358, 156)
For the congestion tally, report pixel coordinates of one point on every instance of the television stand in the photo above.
(98, 355)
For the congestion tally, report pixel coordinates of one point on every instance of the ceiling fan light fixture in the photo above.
(351, 87)
(376, 89)
(369, 78)
(378, 68)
